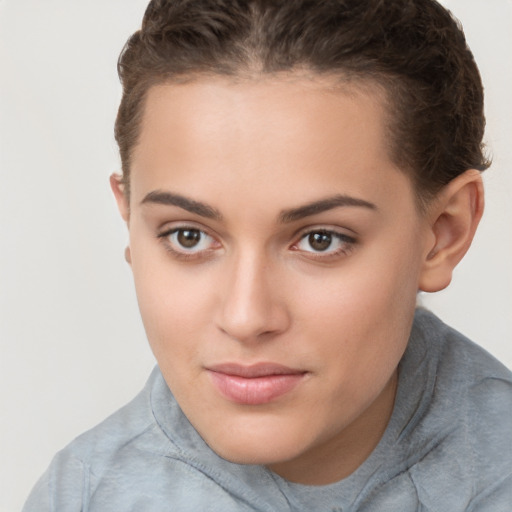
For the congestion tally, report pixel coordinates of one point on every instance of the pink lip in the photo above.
(256, 384)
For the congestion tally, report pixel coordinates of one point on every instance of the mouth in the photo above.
(255, 384)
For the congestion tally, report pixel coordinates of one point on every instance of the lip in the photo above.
(256, 384)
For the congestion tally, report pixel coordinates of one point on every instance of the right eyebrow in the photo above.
(323, 205)
(185, 203)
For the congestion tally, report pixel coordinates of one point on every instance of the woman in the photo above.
(293, 174)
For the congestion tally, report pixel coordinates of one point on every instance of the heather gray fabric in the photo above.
(448, 447)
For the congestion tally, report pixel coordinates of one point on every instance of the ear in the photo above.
(117, 186)
(128, 255)
(453, 218)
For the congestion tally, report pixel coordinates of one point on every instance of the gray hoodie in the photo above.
(447, 447)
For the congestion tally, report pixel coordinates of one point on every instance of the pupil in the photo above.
(320, 241)
(189, 237)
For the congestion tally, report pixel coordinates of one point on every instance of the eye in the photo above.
(325, 242)
(188, 241)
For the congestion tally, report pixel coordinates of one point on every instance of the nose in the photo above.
(252, 304)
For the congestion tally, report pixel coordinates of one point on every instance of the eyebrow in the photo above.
(286, 216)
(171, 199)
(323, 205)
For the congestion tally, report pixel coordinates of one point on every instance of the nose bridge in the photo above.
(250, 305)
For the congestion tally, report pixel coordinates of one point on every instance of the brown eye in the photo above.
(188, 241)
(188, 238)
(325, 243)
(320, 241)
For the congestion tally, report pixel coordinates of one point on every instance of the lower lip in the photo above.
(256, 390)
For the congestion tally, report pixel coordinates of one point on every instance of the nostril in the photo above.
(257, 327)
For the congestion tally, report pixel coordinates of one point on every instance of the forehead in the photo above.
(293, 132)
(306, 107)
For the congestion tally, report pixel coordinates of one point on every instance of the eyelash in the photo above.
(347, 244)
(183, 254)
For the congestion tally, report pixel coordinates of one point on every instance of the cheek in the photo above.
(362, 315)
(365, 291)
(175, 302)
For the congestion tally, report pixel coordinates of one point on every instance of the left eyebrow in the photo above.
(185, 203)
(323, 205)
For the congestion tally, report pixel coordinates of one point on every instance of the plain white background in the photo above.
(72, 347)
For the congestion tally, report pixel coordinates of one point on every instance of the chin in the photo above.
(258, 455)
(260, 446)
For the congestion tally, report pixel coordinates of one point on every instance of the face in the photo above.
(276, 252)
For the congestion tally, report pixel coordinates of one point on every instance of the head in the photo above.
(414, 50)
(293, 173)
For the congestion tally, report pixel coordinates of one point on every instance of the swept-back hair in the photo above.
(414, 49)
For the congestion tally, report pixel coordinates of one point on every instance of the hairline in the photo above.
(342, 80)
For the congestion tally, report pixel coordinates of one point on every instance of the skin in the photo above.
(256, 288)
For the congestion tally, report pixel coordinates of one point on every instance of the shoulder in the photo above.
(117, 432)
(460, 364)
(461, 384)
(464, 423)
(77, 471)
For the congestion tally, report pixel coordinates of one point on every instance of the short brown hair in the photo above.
(415, 49)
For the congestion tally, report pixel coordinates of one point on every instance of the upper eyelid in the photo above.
(344, 238)
(348, 240)
(165, 233)
(185, 255)
(348, 244)
(171, 227)
(167, 228)
(300, 233)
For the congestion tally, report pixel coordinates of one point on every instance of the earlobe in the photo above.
(117, 186)
(454, 219)
(128, 255)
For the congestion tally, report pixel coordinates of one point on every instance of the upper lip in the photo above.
(254, 370)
